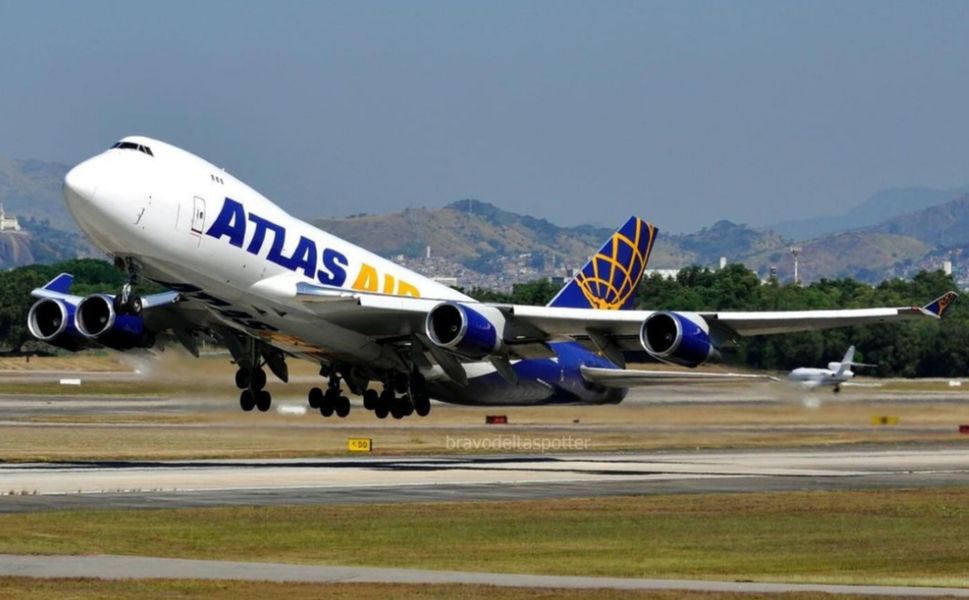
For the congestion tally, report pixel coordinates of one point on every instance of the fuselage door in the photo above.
(198, 216)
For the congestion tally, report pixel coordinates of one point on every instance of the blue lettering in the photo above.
(231, 223)
(333, 271)
(304, 257)
(279, 236)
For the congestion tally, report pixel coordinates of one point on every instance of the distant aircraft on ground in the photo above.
(271, 287)
(836, 373)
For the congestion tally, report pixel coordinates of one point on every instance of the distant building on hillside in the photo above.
(8, 223)
(666, 273)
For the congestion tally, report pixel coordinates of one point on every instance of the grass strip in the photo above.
(94, 589)
(904, 537)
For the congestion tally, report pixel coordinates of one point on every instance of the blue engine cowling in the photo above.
(678, 338)
(51, 320)
(462, 330)
(97, 320)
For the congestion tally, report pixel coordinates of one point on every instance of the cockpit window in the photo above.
(133, 146)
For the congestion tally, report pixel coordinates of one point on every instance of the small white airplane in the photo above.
(836, 373)
(272, 287)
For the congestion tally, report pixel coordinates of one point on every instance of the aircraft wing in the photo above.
(626, 378)
(609, 330)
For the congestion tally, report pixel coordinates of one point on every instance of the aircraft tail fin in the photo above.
(60, 284)
(610, 279)
(846, 361)
(940, 305)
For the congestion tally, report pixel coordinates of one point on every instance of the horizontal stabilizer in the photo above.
(60, 284)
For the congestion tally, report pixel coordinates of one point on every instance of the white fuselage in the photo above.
(813, 377)
(201, 231)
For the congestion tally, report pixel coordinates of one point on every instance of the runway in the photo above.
(153, 484)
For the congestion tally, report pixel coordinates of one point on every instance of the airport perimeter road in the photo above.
(143, 484)
(137, 567)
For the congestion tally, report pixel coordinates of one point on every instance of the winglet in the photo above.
(60, 284)
(940, 305)
(610, 279)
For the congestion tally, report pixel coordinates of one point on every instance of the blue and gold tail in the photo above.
(610, 279)
(940, 305)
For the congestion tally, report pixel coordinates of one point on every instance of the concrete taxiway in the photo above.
(143, 484)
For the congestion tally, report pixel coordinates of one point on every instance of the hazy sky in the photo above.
(681, 112)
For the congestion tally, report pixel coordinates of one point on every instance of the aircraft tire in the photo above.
(397, 412)
(257, 380)
(264, 400)
(247, 401)
(417, 382)
(315, 397)
(119, 306)
(381, 411)
(400, 383)
(135, 304)
(386, 400)
(370, 399)
(326, 409)
(242, 379)
(343, 407)
(422, 405)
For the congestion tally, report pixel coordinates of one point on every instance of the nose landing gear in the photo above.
(127, 303)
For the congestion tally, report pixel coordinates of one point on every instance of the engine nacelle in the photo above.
(679, 338)
(96, 320)
(471, 332)
(52, 320)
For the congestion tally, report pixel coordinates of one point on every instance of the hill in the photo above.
(945, 225)
(476, 234)
(883, 205)
(32, 189)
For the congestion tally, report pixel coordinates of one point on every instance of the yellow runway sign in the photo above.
(360, 445)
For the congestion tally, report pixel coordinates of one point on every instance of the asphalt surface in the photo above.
(176, 484)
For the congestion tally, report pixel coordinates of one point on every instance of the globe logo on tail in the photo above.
(611, 277)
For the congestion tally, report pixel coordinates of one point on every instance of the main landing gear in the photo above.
(411, 399)
(252, 383)
(401, 397)
(332, 401)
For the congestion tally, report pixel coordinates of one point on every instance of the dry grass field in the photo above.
(177, 407)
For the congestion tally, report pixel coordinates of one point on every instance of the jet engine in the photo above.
(97, 320)
(678, 338)
(52, 320)
(466, 331)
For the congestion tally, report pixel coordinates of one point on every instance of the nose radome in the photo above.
(81, 182)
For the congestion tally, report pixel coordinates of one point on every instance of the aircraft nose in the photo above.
(80, 183)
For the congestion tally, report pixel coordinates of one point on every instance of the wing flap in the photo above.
(625, 378)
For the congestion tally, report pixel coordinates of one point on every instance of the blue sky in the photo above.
(681, 112)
